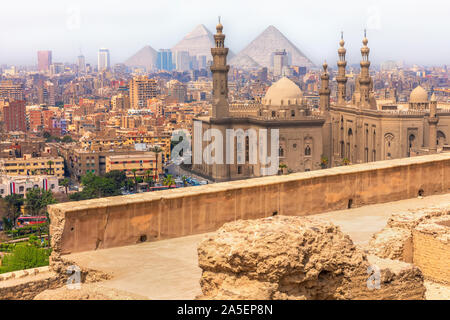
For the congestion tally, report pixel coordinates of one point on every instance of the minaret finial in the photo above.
(365, 33)
(219, 19)
(342, 35)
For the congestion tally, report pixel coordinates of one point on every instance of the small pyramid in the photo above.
(146, 57)
(269, 41)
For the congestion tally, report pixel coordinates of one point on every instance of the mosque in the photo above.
(346, 132)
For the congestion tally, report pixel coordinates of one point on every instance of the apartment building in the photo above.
(141, 164)
(28, 166)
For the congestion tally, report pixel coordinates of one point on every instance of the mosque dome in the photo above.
(282, 93)
(418, 95)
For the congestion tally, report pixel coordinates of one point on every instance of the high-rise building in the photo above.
(103, 60)
(81, 64)
(280, 60)
(57, 68)
(165, 61)
(44, 60)
(182, 60)
(14, 116)
(141, 90)
(202, 62)
(11, 90)
(120, 102)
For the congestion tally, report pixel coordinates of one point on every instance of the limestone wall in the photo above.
(432, 250)
(420, 236)
(124, 220)
(26, 284)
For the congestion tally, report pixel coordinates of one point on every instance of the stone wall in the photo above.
(420, 236)
(125, 220)
(432, 249)
(26, 284)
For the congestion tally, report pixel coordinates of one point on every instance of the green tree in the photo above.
(169, 181)
(14, 202)
(184, 180)
(135, 179)
(37, 200)
(67, 139)
(96, 187)
(25, 257)
(65, 183)
(50, 169)
(119, 178)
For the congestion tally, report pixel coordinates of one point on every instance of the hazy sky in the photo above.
(410, 30)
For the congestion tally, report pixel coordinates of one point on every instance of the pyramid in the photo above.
(270, 40)
(244, 61)
(146, 57)
(198, 42)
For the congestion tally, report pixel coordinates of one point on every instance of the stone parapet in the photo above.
(125, 220)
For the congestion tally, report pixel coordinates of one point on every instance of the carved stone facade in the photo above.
(346, 132)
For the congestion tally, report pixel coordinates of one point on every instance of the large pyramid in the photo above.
(146, 57)
(262, 48)
(198, 42)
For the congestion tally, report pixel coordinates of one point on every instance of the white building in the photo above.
(103, 60)
(21, 184)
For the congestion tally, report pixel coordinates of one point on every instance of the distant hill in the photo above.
(261, 49)
(146, 57)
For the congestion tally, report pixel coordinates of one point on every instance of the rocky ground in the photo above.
(298, 258)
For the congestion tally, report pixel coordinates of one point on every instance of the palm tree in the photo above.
(157, 150)
(135, 179)
(50, 163)
(169, 181)
(149, 178)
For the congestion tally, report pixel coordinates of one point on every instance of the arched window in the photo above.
(441, 139)
(281, 152)
(307, 151)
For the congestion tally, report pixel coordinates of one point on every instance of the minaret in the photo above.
(341, 78)
(364, 77)
(324, 91)
(219, 70)
(432, 122)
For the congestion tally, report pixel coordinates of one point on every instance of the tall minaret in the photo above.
(432, 122)
(324, 91)
(219, 70)
(341, 78)
(364, 77)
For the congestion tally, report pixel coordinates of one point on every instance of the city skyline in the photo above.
(397, 31)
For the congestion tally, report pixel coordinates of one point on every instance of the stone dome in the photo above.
(418, 95)
(284, 92)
